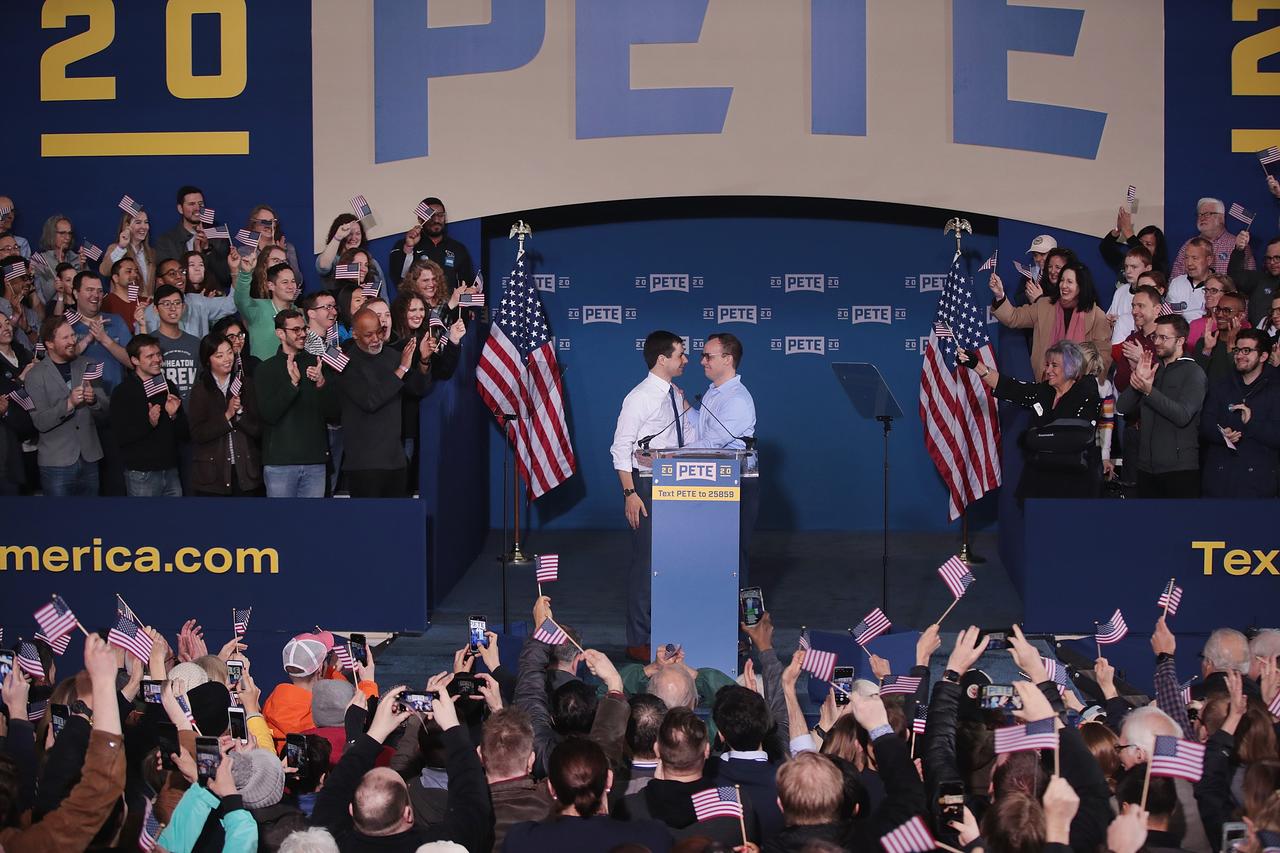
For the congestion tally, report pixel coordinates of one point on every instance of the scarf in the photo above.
(1060, 330)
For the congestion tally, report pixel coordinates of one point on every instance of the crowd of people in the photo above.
(181, 751)
(1171, 389)
(196, 364)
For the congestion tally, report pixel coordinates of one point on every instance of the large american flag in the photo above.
(961, 429)
(518, 374)
(1173, 756)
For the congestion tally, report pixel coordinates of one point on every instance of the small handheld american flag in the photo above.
(872, 625)
(424, 212)
(1267, 156)
(336, 359)
(471, 300)
(1131, 195)
(92, 371)
(240, 620)
(331, 336)
(35, 710)
(206, 217)
(350, 272)
(820, 664)
(128, 635)
(920, 720)
(547, 567)
(360, 207)
(15, 271)
(1056, 672)
(1184, 690)
(91, 251)
(155, 385)
(132, 293)
(478, 284)
(59, 645)
(345, 659)
(1273, 706)
(236, 386)
(956, 575)
(130, 206)
(369, 288)
(185, 706)
(1170, 598)
(895, 684)
(1242, 214)
(435, 323)
(1042, 734)
(72, 316)
(716, 802)
(942, 330)
(551, 633)
(55, 619)
(990, 263)
(149, 835)
(1111, 631)
(912, 837)
(247, 238)
(220, 232)
(20, 397)
(39, 260)
(29, 659)
(1173, 756)
(1025, 272)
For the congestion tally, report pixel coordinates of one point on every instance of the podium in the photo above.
(695, 530)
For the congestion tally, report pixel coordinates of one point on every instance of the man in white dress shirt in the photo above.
(728, 416)
(654, 410)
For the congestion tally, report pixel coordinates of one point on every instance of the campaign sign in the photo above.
(298, 563)
(695, 557)
(1223, 554)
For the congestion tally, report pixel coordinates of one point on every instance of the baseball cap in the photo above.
(303, 655)
(1043, 243)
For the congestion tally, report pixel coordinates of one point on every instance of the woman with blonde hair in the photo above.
(134, 242)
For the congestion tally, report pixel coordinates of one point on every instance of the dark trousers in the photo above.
(1172, 484)
(376, 483)
(748, 510)
(640, 578)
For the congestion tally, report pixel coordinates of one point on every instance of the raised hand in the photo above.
(996, 285)
(967, 650)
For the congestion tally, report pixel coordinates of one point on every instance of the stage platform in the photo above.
(824, 580)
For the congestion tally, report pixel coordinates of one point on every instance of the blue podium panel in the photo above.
(695, 559)
(1086, 558)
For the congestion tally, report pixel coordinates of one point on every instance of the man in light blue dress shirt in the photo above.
(727, 416)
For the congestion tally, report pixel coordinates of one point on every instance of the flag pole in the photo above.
(520, 231)
(539, 589)
(1146, 784)
(570, 639)
(1096, 644)
(938, 621)
(742, 823)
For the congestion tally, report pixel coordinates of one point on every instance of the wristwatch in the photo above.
(951, 675)
(626, 493)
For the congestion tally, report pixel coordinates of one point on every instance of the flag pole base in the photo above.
(518, 557)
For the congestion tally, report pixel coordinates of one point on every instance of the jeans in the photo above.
(294, 481)
(153, 484)
(79, 479)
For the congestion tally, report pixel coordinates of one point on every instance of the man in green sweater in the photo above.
(293, 402)
(259, 314)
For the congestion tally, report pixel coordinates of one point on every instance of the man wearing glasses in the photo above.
(1167, 391)
(727, 417)
(199, 311)
(180, 350)
(1226, 320)
(293, 402)
(1261, 285)
(1212, 224)
(1240, 425)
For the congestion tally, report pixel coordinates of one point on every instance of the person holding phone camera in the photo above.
(368, 807)
(1062, 458)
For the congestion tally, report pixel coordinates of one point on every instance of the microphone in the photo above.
(749, 441)
(643, 443)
